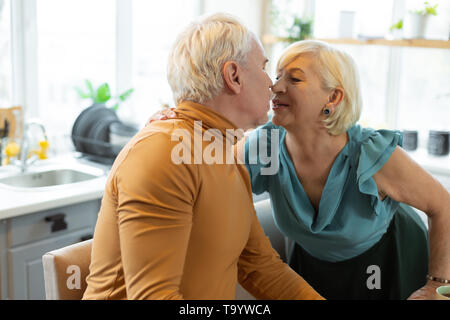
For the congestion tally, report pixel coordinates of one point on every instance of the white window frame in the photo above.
(24, 56)
(124, 45)
(394, 71)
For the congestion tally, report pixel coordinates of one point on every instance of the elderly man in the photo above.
(170, 229)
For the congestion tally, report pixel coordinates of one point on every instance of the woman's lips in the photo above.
(276, 104)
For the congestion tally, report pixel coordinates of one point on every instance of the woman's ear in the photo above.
(232, 76)
(336, 97)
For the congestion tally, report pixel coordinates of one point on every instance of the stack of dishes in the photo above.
(91, 131)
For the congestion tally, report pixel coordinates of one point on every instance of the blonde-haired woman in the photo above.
(339, 186)
(343, 193)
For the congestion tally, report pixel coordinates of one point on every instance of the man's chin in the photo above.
(258, 122)
(263, 120)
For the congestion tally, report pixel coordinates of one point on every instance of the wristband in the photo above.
(437, 279)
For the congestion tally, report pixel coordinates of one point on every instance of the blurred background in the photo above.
(49, 48)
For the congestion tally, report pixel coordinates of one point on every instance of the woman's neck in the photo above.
(313, 144)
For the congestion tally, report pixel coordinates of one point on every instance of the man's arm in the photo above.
(265, 275)
(155, 201)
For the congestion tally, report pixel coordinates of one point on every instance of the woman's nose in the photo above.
(277, 88)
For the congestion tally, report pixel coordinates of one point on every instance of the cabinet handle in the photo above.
(86, 237)
(58, 222)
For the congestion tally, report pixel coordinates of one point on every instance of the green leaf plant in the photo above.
(289, 27)
(398, 25)
(428, 9)
(301, 29)
(102, 95)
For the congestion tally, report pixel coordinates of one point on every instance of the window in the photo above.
(282, 12)
(281, 17)
(373, 64)
(424, 97)
(154, 32)
(438, 26)
(5, 55)
(76, 41)
(248, 11)
(56, 45)
(424, 91)
(371, 18)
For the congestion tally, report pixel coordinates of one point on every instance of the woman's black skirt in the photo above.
(393, 268)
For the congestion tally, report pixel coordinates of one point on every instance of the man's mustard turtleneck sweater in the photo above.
(182, 231)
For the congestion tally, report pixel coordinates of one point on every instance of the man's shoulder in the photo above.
(162, 135)
(152, 146)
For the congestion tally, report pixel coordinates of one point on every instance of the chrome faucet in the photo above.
(23, 163)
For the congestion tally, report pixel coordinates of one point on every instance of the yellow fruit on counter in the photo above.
(12, 150)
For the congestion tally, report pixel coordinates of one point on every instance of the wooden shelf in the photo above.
(418, 43)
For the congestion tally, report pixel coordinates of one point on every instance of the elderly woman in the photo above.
(340, 189)
(342, 192)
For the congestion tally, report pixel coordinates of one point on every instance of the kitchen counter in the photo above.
(18, 201)
(439, 165)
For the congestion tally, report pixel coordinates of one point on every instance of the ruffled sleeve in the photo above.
(376, 148)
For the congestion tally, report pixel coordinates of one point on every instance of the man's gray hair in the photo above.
(197, 58)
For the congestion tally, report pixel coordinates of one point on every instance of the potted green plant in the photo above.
(102, 95)
(419, 19)
(396, 29)
(288, 27)
(300, 29)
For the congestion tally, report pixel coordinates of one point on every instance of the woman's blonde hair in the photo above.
(195, 64)
(336, 69)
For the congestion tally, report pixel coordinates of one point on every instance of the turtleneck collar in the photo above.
(210, 118)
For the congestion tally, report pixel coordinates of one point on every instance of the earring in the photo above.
(326, 111)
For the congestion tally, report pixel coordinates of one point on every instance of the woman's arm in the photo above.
(405, 181)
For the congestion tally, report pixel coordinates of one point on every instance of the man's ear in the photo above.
(232, 76)
(336, 97)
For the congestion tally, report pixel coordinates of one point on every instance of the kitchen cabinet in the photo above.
(24, 239)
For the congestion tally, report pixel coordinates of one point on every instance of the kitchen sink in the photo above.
(51, 175)
(47, 178)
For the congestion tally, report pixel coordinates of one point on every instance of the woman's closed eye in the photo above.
(295, 79)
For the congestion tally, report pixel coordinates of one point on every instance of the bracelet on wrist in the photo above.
(437, 279)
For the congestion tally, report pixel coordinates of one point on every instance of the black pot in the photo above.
(438, 143)
(410, 140)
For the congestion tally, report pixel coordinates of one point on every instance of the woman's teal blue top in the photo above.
(351, 216)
